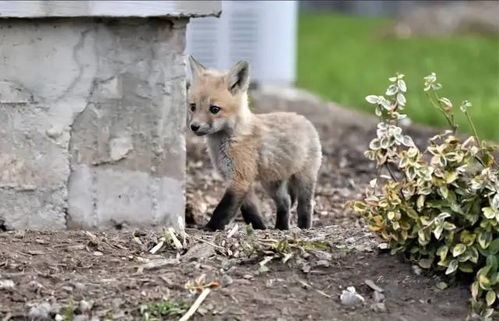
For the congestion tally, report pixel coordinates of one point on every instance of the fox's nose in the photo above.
(195, 127)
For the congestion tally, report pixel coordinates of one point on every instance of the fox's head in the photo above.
(217, 100)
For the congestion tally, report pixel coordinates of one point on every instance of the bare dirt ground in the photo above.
(112, 275)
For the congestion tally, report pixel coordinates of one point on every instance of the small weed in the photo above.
(153, 311)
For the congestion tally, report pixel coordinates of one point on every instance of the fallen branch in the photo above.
(195, 305)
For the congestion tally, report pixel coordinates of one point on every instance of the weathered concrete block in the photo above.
(92, 116)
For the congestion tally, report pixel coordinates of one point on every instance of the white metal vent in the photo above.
(262, 32)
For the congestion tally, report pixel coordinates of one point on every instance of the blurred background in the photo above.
(345, 50)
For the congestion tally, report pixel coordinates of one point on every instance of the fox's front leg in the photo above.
(228, 206)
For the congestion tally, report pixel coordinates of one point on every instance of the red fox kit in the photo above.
(280, 150)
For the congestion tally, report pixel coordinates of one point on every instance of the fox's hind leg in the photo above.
(279, 193)
(303, 186)
(249, 209)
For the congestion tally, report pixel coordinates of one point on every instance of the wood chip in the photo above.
(195, 305)
(158, 246)
(373, 286)
(159, 263)
(233, 231)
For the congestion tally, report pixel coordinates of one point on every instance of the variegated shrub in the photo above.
(438, 206)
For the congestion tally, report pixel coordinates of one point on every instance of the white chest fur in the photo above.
(218, 147)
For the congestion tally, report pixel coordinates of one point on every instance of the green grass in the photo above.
(345, 58)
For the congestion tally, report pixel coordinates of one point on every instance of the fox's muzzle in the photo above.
(200, 129)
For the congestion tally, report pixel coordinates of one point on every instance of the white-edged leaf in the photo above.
(401, 99)
(490, 298)
(392, 90)
(453, 265)
(372, 99)
(458, 249)
(402, 86)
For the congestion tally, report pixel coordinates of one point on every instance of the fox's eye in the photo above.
(214, 109)
(193, 107)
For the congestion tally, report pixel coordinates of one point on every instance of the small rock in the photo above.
(417, 270)
(79, 286)
(305, 268)
(199, 252)
(350, 297)
(227, 280)
(34, 286)
(379, 307)
(383, 246)
(323, 263)
(373, 286)
(40, 311)
(58, 317)
(85, 306)
(80, 317)
(53, 132)
(378, 297)
(67, 288)
(116, 303)
(7, 284)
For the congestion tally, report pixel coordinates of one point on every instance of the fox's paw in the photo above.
(211, 227)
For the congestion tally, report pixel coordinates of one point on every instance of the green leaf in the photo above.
(494, 247)
(412, 213)
(450, 177)
(449, 226)
(484, 282)
(492, 261)
(489, 212)
(466, 267)
(458, 249)
(484, 239)
(425, 263)
(420, 202)
(444, 191)
(474, 289)
(442, 252)
(490, 298)
(467, 237)
(438, 231)
(452, 267)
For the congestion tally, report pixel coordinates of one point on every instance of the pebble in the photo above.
(85, 306)
(379, 307)
(7, 284)
(227, 280)
(79, 286)
(323, 263)
(417, 270)
(378, 297)
(350, 297)
(40, 311)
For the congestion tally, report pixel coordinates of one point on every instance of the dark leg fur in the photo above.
(225, 211)
(249, 209)
(304, 189)
(280, 194)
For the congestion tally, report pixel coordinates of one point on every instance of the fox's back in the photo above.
(288, 144)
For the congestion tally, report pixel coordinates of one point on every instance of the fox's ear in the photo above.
(238, 77)
(196, 67)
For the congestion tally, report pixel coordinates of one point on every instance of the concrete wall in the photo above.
(92, 115)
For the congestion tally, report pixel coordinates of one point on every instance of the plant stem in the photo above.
(473, 128)
(437, 104)
(390, 171)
